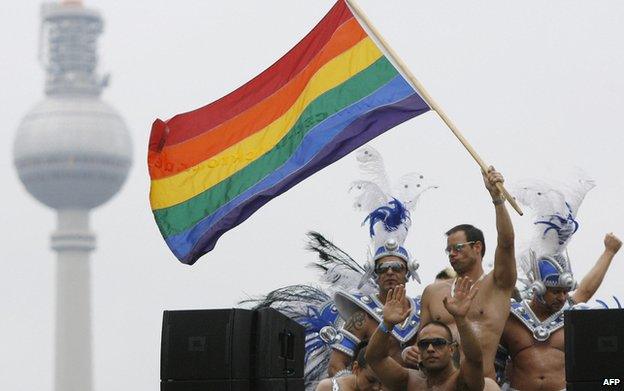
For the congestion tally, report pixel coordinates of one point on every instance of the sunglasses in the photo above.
(396, 266)
(437, 343)
(457, 247)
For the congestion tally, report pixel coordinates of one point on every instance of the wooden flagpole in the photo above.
(428, 99)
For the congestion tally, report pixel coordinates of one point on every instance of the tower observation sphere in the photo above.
(72, 150)
(72, 153)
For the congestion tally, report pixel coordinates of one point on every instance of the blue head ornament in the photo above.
(564, 226)
(548, 272)
(392, 217)
(388, 227)
(552, 272)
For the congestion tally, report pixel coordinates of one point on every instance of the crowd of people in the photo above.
(469, 330)
(470, 333)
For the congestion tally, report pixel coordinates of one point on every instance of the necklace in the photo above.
(455, 281)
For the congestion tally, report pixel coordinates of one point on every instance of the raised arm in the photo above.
(471, 369)
(591, 282)
(392, 375)
(504, 257)
(425, 311)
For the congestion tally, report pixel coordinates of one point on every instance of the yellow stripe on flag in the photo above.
(176, 189)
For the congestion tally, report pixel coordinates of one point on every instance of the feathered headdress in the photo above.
(338, 270)
(555, 207)
(388, 209)
(313, 306)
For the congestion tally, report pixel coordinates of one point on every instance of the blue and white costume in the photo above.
(346, 285)
(388, 223)
(349, 303)
(541, 330)
(548, 272)
(545, 263)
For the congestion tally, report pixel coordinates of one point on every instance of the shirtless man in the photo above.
(436, 344)
(533, 335)
(465, 249)
(362, 378)
(410, 354)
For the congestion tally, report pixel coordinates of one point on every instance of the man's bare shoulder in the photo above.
(438, 286)
(488, 285)
(490, 385)
(324, 385)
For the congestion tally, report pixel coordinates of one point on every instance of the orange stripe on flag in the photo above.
(208, 144)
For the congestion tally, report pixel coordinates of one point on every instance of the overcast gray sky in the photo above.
(537, 87)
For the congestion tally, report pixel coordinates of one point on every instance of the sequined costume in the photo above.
(345, 285)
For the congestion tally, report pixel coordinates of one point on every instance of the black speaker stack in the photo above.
(231, 350)
(594, 349)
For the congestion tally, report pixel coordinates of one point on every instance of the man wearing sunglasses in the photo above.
(436, 345)
(363, 313)
(465, 250)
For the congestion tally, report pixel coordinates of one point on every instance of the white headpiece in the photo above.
(555, 206)
(388, 209)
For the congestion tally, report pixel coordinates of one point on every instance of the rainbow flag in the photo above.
(213, 167)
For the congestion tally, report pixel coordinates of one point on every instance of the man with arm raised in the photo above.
(465, 249)
(436, 345)
(534, 335)
(363, 313)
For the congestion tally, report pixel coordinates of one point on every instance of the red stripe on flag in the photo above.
(193, 123)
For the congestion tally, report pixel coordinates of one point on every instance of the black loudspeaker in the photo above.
(278, 385)
(279, 347)
(207, 385)
(206, 344)
(234, 385)
(594, 349)
(231, 350)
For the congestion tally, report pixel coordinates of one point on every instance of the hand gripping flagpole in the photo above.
(427, 98)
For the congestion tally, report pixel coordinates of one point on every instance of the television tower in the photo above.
(72, 152)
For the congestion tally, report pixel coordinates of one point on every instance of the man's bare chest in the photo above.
(519, 338)
(541, 329)
(420, 383)
(486, 310)
(440, 314)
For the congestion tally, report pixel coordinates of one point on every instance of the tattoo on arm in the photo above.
(355, 322)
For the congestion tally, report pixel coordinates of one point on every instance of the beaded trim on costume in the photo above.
(541, 329)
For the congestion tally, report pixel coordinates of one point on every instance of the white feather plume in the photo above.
(577, 188)
(552, 203)
(373, 167)
(368, 195)
(410, 187)
(376, 189)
